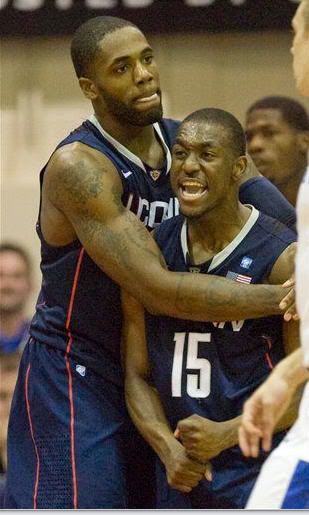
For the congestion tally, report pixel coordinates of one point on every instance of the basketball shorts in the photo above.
(65, 437)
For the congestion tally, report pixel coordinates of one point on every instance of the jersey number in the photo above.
(198, 380)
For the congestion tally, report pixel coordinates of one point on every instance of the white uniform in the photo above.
(284, 478)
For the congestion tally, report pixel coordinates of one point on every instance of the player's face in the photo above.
(127, 79)
(300, 51)
(202, 168)
(14, 282)
(275, 147)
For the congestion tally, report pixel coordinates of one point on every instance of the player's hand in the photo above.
(288, 305)
(202, 438)
(261, 414)
(182, 472)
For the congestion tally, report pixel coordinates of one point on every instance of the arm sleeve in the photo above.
(265, 197)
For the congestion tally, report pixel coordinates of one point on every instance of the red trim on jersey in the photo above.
(269, 361)
(73, 291)
(267, 355)
(35, 492)
(69, 372)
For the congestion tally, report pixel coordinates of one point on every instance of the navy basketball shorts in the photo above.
(65, 440)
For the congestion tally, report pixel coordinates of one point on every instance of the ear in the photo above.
(303, 141)
(88, 88)
(239, 168)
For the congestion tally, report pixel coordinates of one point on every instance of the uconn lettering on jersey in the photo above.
(236, 325)
(152, 213)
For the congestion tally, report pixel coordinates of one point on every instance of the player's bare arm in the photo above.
(144, 404)
(82, 197)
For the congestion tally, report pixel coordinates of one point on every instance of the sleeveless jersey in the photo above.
(79, 309)
(210, 368)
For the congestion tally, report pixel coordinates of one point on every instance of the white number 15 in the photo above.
(198, 381)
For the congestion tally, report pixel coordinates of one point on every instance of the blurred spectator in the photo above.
(15, 289)
(277, 130)
(8, 372)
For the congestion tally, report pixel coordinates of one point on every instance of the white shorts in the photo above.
(284, 478)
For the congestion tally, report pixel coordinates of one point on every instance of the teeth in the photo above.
(192, 189)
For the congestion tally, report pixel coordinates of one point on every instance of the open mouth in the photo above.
(191, 190)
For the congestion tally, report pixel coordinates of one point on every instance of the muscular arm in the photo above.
(83, 186)
(144, 405)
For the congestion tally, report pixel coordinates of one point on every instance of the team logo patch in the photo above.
(155, 174)
(238, 277)
(246, 262)
(126, 174)
(81, 370)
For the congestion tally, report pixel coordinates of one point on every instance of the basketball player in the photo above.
(277, 131)
(284, 479)
(189, 377)
(67, 429)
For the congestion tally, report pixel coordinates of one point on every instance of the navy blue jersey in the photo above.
(211, 368)
(79, 310)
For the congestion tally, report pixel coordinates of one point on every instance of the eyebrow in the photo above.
(203, 144)
(127, 57)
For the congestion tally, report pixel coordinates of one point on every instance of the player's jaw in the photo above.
(140, 109)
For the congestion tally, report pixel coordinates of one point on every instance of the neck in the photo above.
(127, 134)
(141, 141)
(10, 323)
(213, 232)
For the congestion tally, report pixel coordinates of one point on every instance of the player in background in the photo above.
(277, 133)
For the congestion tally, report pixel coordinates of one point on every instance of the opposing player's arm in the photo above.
(269, 402)
(85, 187)
(144, 404)
(282, 270)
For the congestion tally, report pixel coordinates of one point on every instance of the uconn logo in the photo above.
(152, 213)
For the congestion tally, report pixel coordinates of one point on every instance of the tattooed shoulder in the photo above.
(77, 175)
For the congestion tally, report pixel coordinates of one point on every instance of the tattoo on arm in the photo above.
(85, 184)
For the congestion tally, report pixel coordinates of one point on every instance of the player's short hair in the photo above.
(87, 38)
(17, 249)
(227, 121)
(292, 111)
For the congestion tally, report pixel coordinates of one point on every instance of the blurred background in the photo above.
(215, 53)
